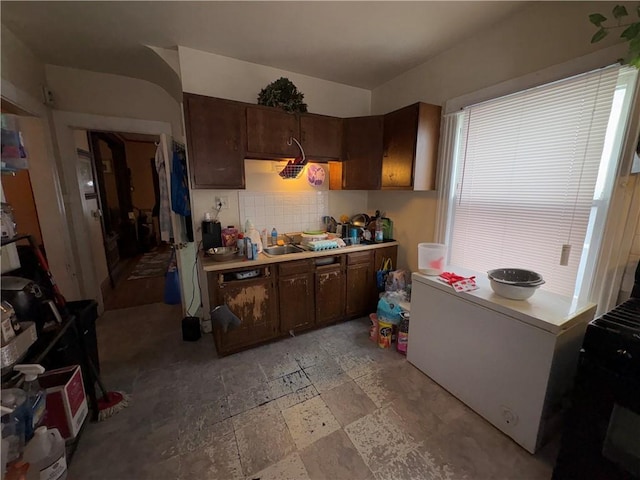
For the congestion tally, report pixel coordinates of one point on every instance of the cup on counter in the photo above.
(354, 236)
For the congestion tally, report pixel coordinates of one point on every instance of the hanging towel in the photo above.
(166, 232)
(180, 202)
(179, 187)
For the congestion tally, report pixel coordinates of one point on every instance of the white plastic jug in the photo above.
(46, 455)
(431, 258)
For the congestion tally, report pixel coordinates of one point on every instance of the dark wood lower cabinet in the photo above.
(293, 296)
(296, 295)
(360, 284)
(330, 293)
(253, 301)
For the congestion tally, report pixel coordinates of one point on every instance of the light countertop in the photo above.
(209, 265)
(546, 310)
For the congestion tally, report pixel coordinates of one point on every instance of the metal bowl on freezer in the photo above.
(513, 292)
(516, 276)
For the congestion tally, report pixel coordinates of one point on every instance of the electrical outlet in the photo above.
(222, 203)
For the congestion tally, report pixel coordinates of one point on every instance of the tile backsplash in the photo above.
(287, 212)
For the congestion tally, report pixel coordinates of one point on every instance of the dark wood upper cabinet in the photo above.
(410, 152)
(362, 158)
(216, 135)
(321, 136)
(269, 132)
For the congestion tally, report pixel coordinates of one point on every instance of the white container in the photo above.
(432, 258)
(46, 455)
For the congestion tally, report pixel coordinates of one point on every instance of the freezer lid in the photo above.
(548, 311)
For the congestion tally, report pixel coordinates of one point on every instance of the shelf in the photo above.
(17, 238)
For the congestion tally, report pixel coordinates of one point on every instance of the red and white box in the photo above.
(66, 401)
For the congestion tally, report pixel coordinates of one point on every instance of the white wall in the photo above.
(217, 76)
(82, 91)
(20, 66)
(534, 38)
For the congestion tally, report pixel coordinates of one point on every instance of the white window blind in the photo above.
(526, 176)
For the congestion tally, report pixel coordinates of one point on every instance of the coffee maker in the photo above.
(211, 234)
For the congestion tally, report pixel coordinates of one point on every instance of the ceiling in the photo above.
(363, 44)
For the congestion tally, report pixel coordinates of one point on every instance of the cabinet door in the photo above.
(411, 139)
(321, 136)
(330, 293)
(362, 153)
(216, 134)
(400, 133)
(360, 284)
(296, 295)
(269, 130)
(383, 253)
(254, 302)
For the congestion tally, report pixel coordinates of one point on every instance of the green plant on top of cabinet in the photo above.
(216, 135)
(296, 295)
(362, 157)
(410, 152)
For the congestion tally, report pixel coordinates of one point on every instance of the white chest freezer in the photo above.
(511, 361)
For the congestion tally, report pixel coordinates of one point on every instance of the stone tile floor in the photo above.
(327, 404)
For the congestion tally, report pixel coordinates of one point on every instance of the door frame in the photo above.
(64, 123)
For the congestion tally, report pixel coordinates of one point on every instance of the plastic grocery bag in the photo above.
(396, 281)
(381, 275)
(389, 308)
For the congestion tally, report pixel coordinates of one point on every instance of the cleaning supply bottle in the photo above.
(274, 236)
(13, 422)
(46, 455)
(36, 395)
(252, 232)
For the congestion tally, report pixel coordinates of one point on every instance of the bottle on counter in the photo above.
(379, 233)
(248, 246)
(252, 232)
(274, 237)
(240, 243)
(263, 237)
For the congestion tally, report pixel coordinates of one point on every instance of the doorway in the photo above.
(121, 209)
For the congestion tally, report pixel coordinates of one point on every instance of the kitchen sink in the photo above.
(282, 250)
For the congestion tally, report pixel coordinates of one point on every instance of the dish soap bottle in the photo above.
(274, 237)
(36, 395)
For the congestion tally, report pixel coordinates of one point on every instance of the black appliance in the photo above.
(211, 234)
(601, 438)
(29, 302)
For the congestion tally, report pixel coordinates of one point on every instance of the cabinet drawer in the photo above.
(359, 257)
(293, 268)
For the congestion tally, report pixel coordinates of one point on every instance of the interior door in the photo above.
(185, 250)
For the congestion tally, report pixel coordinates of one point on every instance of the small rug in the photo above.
(152, 264)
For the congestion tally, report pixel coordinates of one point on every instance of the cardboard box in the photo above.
(66, 400)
